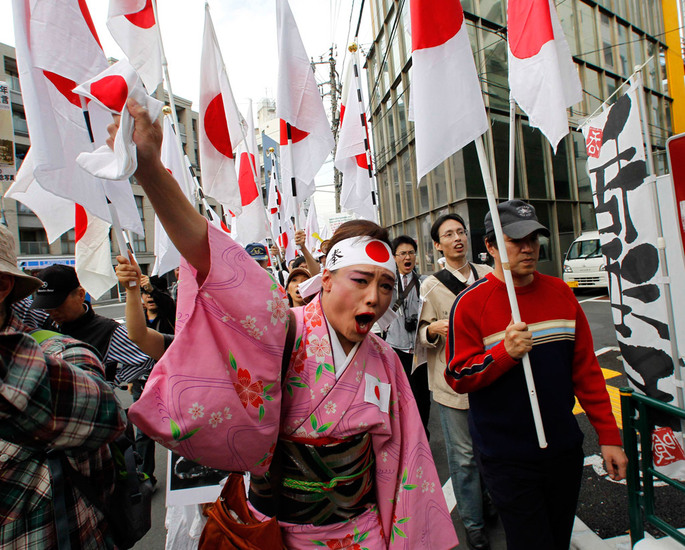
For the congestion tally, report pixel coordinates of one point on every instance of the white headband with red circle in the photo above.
(348, 252)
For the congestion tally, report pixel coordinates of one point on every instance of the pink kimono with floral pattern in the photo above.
(230, 343)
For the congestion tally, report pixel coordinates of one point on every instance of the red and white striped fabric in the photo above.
(251, 223)
(132, 25)
(299, 104)
(448, 109)
(350, 156)
(542, 75)
(221, 125)
(93, 254)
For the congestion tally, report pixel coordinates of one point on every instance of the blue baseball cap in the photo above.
(257, 251)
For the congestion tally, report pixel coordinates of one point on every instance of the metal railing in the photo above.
(638, 424)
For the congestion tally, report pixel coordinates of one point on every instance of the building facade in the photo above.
(33, 249)
(607, 38)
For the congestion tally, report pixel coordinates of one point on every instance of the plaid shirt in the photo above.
(52, 397)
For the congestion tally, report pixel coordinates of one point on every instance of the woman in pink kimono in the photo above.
(336, 432)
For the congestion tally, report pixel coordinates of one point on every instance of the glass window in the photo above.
(384, 198)
(405, 159)
(477, 211)
(621, 8)
(424, 200)
(624, 67)
(562, 177)
(585, 249)
(495, 52)
(607, 41)
(384, 76)
(426, 249)
(589, 48)
(565, 217)
(612, 84)
(396, 189)
(593, 93)
(651, 71)
(474, 179)
(458, 178)
(397, 58)
(406, 24)
(68, 242)
(535, 162)
(500, 136)
(580, 154)
(492, 10)
(401, 115)
(588, 221)
(467, 6)
(439, 181)
(638, 53)
(390, 125)
(139, 206)
(568, 23)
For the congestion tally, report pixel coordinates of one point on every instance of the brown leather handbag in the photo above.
(231, 524)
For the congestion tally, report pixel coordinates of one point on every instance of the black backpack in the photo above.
(128, 510)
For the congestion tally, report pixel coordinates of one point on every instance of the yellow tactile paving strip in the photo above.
(614, 396)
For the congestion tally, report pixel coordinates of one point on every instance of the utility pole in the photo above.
(334, 91)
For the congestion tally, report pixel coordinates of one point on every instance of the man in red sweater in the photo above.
(535, 490)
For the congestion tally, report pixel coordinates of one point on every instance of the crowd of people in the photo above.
(359, 347)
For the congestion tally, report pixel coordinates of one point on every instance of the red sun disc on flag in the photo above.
(530, 27)
(434, 22)
(295, 133)
(377, 251)
(144, 18)
(111, 91)
(216, 127)
(81, 222)
(248, 189)
(64, 86)
(377, 392)
(283, 240)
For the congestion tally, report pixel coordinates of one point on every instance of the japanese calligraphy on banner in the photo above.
(625, 211)
(7, 167)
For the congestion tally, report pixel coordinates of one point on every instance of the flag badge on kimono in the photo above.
(377, 393)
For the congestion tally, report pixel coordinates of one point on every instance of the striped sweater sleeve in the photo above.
(470, 366)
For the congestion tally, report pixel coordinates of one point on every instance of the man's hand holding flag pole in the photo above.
(443, 60)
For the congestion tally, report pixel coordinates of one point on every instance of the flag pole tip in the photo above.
(166, 110)
(271, 150)
(352, 47)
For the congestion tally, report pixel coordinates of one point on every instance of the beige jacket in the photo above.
(438, 300)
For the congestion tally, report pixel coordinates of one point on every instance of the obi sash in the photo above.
(319, 484)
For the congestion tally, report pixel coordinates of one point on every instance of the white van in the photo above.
(584, 266)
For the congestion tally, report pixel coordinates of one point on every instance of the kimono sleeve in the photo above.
(215, 397)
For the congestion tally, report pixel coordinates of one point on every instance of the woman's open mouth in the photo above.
(364, 322)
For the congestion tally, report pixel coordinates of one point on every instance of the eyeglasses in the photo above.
(449, 235)
(406, 254)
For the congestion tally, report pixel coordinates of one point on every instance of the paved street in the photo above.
(603, 503)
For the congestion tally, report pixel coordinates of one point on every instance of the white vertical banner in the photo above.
(625, 208)
(7, 160)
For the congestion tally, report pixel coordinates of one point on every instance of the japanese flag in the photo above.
(298, 104)
(111, 89)
(93, 254)
(252, 222)
(350, 156)
(133, 26)
(448, 104)
(542, 75)
(221, 124)
(377, 393)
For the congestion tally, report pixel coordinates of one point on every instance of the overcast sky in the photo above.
(247, 34)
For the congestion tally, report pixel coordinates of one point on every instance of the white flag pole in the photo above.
(362, 110)
(512, 144)
(509, 282)
(274, 175)
(636, 79)
(293, 181)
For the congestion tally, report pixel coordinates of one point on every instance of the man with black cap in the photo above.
(63, 299)
(535, 490)
(54, 397)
